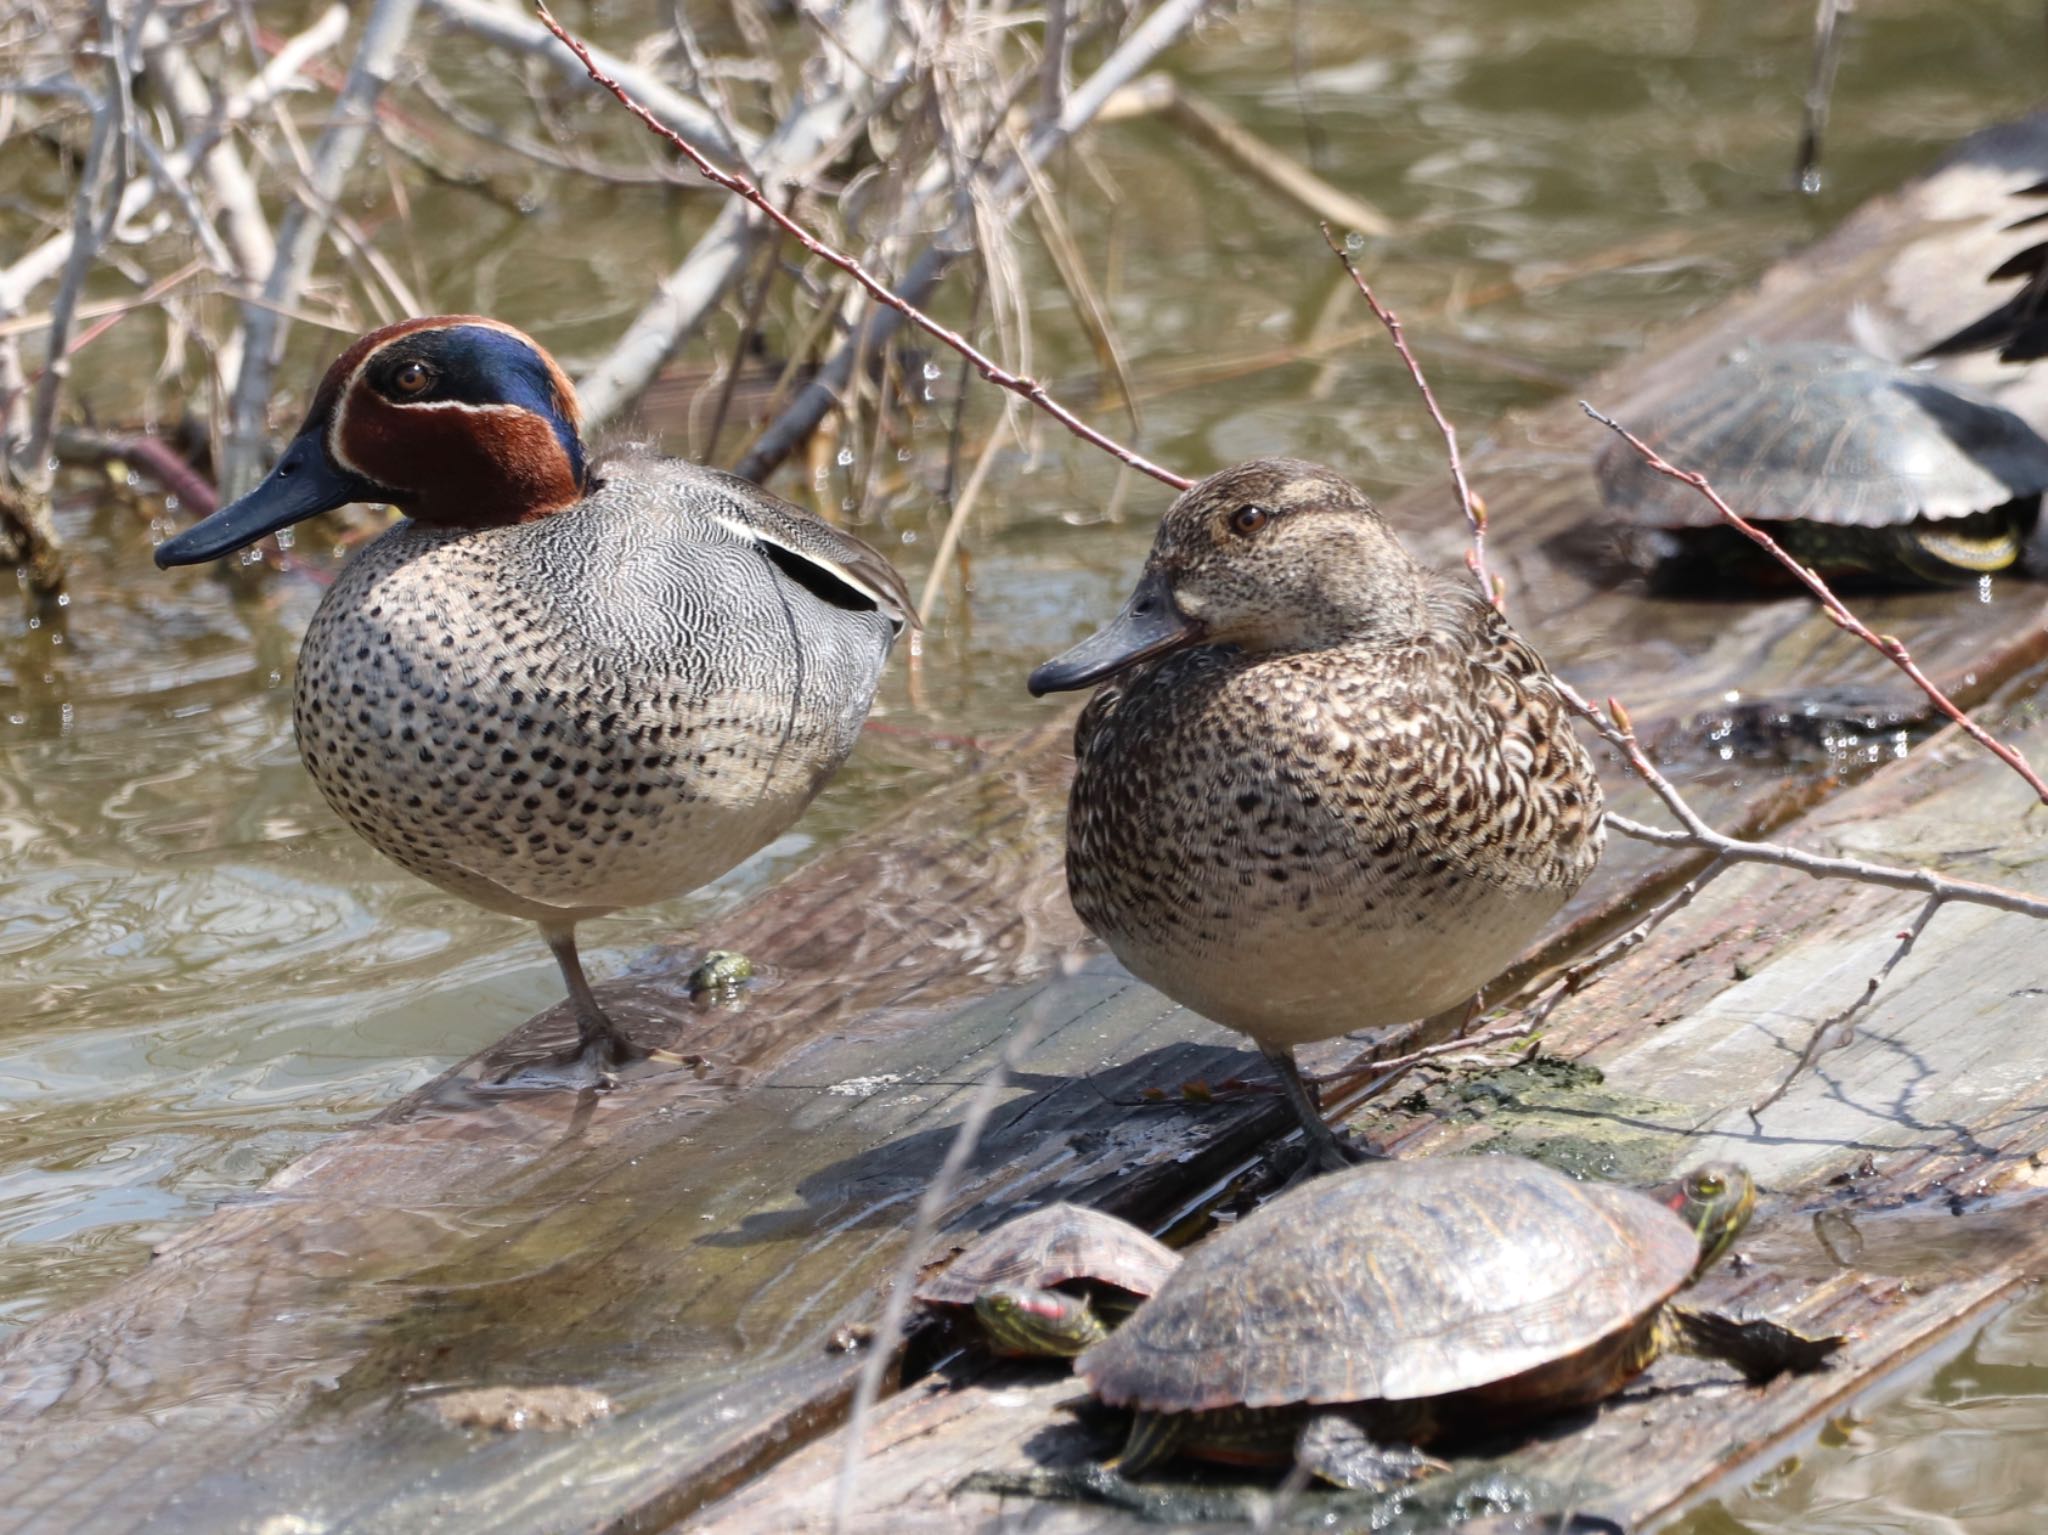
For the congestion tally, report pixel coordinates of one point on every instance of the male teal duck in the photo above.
(557, 688)
(1323, 788)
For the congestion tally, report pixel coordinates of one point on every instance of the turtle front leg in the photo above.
(1760, 1348)
(1335, 1448)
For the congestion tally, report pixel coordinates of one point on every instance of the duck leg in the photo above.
(599, 1041)
(1327, 1150)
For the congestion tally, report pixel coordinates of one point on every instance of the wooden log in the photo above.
(1903, 1175)
(692, 1245)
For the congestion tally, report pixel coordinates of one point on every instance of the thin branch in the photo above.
(741, 186)
(930, 1206)
(1969, 892)
(385, 30)
(1490, 586)
(1840, 1029)
(1886, 645)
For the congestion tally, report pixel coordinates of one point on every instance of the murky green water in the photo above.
(202, 973)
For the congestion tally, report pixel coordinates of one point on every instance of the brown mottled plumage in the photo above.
(1326, 789)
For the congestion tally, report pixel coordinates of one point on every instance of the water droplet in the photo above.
(844, 459)
(286, 538)
(1354, 242)
(172, 503)
(933, 371)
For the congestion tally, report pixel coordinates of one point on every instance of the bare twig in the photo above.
(687, 295)
(1614, 725)
(1839, 1029)
(1886, 645)
(930, 1206)
(1145, 42)
(45, 260)
(1820, 88)
(1494, 590)
(1576, 977)
(1341, 1080)
(385, 29)
(741, 186)
(513, 29)
(95, 209)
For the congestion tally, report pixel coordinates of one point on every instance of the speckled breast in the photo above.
(1301, 846)
(606, 707)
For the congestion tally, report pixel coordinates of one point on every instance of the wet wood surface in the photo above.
(694, 1245)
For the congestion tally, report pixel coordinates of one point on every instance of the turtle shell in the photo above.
(1059, 1244)
(1396, 1281)
(1827, 434)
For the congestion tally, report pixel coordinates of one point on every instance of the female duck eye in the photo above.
(413, 378)
(1249, 519)
(1707, 1186)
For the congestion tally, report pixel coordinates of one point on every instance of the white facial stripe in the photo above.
(336, 429)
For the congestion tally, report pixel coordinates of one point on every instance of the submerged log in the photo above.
(694, 1247)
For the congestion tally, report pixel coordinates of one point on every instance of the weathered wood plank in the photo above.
(690, 1244)
(1938, 1099)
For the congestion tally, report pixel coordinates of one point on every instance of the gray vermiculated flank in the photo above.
(594, 710)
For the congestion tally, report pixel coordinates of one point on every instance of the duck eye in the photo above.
(414, 378)
(1249, 519)
(1708, 1186)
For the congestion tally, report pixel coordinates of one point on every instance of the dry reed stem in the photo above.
(1027, 388)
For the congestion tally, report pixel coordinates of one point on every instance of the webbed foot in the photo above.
(1343, 1454)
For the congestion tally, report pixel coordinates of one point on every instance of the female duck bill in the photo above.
(1149, 626)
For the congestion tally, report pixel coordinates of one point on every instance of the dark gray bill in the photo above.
(1148, 626)
(305, 483)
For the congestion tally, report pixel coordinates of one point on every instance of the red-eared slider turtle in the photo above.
(1374, 1310)
(1856, 466)
(1049, 1284)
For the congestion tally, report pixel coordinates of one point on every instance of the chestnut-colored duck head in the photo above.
(456, 420)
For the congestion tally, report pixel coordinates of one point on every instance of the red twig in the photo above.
(1490, 585)
(1889, 646)
(741, 186)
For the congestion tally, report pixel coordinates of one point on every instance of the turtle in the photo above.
(1858, 467)
(1049, 1284)
(1364, 1315)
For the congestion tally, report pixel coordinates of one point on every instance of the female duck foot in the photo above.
(592, 1064)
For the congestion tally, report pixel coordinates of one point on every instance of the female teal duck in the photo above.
(557, 688)
(1324, 789)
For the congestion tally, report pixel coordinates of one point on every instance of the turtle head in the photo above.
(1035, 1323)
(1715, 1200)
